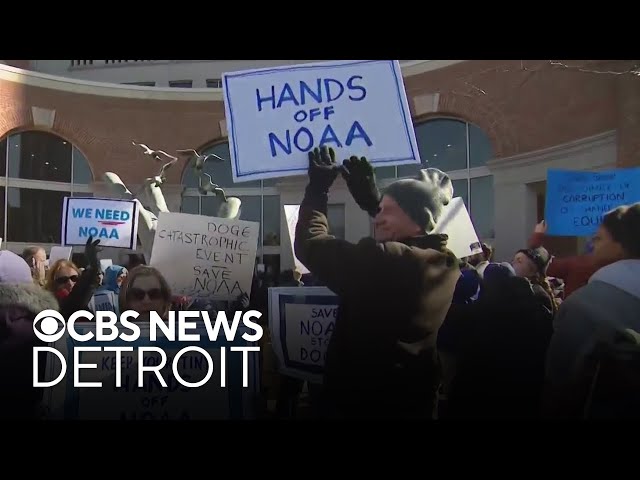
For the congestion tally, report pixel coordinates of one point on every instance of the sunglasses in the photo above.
(63, 280)
(139, 294)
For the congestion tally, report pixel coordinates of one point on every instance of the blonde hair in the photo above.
(144, 271)
(50, 283)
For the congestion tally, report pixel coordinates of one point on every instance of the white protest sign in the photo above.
(205, 257)
(291, 214)
(152, 401)
(59, 253)
(455, 222)
(104, 263)
(113, 222)
(276, 115)
(301, 321)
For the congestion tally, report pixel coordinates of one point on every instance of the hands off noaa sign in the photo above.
(113, 222)
(276, 115)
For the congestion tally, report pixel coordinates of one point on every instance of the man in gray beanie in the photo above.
(395, 290)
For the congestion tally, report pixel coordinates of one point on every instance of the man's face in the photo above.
(392, 223)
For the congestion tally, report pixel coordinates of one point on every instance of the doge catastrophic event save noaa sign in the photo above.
(113, 222)
(276, 115)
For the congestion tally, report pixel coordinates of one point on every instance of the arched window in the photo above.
(37, 170)
(260, 201)
(461, 150)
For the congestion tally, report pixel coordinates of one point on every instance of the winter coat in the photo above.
(381, 360)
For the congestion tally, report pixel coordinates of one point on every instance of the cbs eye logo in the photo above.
(52, 326)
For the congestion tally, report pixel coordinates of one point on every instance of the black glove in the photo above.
(91, 251)
(323, 169)
(361, 180)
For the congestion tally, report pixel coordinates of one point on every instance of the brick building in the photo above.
(495, 126)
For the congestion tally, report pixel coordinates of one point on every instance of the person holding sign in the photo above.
(395, 291)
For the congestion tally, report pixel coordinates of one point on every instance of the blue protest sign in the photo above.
(276, 115)
(577, 201)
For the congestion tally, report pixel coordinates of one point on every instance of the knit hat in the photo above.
(13, 268)
(422, 198)
(539, 256)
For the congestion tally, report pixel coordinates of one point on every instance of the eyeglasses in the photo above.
(63, 280)
(139, 294)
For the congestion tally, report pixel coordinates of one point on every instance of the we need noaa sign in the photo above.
(113, 222)
(275, 116)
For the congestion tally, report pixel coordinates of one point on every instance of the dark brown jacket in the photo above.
(394, 296)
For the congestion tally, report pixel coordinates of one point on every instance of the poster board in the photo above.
(276, 115)
(208, 258)
(291, 215)
(456, 222)
(113, 222)
(576, 201)
(301, 321)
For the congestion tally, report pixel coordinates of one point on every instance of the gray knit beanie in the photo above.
(422, 198)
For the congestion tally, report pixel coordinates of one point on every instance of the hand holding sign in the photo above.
(323, 169)
(361, 180)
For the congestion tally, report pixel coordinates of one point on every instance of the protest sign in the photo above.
(291, 214)
(104, 263)
(113, 222)
(152, 401)
(301, 321)
(205, 257)
(456, 223)
(59, 253)
(276, 115)
(576, 201)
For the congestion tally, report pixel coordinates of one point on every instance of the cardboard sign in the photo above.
(205, 257)
(152, 401)
(456, 222)
(291, 214)
(276, 115)
(113, 222)
(301, 321)
(59, 253)
(577, 201)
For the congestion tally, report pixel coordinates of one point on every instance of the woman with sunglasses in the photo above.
(144, 291)
(72, 288)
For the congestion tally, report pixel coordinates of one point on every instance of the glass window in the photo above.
(442, 144)
(271, 216)
(181, 84)
(214, 83)
(220, 171)
(482, 206)
(385, 172)
(460, 189)
(210, 204)
(34, 216)
(3, 158)
(190, 205)
(81, 171)
(40, 156)
(480, 148)
(336, 219)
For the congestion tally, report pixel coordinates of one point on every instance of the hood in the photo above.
(29, 296)
(110, 281)
(623, 274)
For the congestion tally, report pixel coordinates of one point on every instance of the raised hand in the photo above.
(323, 169)
(91, 251)
(361, 180)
